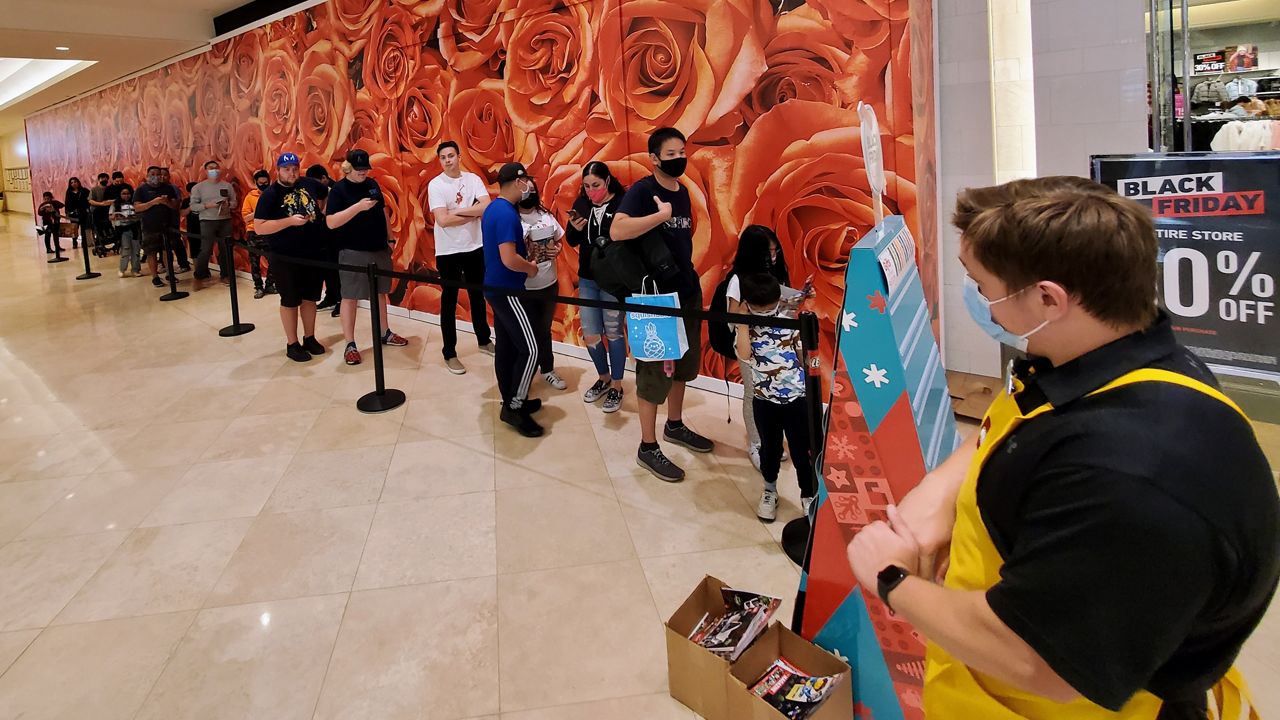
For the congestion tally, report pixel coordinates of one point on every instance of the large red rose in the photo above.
(151, 118)
(289, 31)
(178, 137)
(866, 22)
(477, 119)
(324, 102)
(473, 32)
(280, 82)
(391, 57)
(418, 122)
(219, 54)
(687, 65)
(246, 69)
(250, 150)
(550, 70)
(213, 91)
(368, 122)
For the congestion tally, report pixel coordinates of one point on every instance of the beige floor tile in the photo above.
(59, 455)
(434, 380)
(289, 555)
(547, 621)
(346, 427)
(265, 660)
(209, 403)
(423, 541)
(335, 478)
(261, 436)
(163, 444)
(22, 502)
(432, 468)
(220, 491)
(158, 570)
(761, 568)
(640, 707)
(100, 670)
(567, 456)
(446, 417)
(558, 526)
(108, 501)
(291, 394)
(619, 440)
(390, 664)
(33, 419)
(42, 575)
(705, 512)
(357, 381)
(12, 645)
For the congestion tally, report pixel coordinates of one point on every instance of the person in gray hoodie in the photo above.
(213, 200)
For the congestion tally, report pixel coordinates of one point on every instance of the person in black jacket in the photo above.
(77, 208)
(602, 330)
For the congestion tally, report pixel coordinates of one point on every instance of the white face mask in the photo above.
(213, 174)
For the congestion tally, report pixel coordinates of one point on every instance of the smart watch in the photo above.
(888, 579)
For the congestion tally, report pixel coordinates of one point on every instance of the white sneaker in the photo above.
(554, 380)
(753, 451)
(804, 505)
(767, 510)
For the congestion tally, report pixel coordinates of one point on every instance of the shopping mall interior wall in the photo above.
(13, 154)
(768, 100)
(1266, 35)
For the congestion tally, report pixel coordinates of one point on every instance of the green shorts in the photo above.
(652, 384)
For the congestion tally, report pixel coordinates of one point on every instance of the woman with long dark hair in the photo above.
(542, 235)
(602, 330)
(758, 252)
(77, 208)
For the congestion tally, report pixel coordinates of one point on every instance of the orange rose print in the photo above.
(419, 119)
(478, 121)
(246, 72)
(550, 70)
(324, 102)
(391, 57)
(472, 32)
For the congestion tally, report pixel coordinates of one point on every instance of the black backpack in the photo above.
(719, 334)
(621, 267)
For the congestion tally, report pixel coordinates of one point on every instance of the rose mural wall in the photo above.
(766, 95)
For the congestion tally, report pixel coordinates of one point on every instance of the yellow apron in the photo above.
(952, 690)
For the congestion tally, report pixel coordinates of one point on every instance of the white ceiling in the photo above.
(119, 38)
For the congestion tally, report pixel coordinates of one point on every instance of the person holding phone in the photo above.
(357, 216)
(542, 236)
(211, 201)
(288, 216)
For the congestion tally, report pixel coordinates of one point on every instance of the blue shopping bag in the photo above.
(655, 338)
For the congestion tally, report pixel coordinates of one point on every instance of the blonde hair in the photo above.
(346, 168)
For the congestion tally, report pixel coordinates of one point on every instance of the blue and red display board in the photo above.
(888, 422)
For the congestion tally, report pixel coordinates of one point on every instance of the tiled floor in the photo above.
(194, 527)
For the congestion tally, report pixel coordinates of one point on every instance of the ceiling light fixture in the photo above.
(62, 48)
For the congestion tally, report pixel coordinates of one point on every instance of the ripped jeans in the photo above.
(607, 323)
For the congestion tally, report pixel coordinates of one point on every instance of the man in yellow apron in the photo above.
(1113, 529)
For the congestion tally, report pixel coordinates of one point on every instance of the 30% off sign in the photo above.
(1249, 293)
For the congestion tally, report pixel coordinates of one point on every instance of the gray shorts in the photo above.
(355, 285)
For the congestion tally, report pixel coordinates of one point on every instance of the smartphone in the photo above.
(573, 214)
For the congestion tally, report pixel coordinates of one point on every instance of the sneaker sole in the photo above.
(610, 410)
(657, 474)
(461, 371)
(686, 445)
(765, 520)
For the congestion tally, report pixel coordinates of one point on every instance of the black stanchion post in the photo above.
(174, 293)
(88, 274)
(236, 327)
(57, 248)
(381, 399)
(796, 535)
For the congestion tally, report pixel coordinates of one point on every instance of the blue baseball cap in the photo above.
(288, 159)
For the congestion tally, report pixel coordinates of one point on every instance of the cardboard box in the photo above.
(696, 675)
(779, 642)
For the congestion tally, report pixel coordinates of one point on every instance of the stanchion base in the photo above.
(795, 539)
(175, 295)
(88, 276)
(375, 403)
(234, 330)
(58, 260)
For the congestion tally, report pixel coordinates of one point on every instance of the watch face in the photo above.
(892, 574)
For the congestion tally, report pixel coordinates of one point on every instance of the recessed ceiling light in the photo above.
(62, 48)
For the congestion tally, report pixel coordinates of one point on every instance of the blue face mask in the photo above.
(979, 308)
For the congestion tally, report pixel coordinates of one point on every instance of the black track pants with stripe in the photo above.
(516, 355)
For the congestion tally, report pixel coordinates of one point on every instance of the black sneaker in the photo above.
(258, 293)
(311, 345)
(595, 392)
(271, 290)
(297, 353)
(327, 303)
(337, 310)
(531, 406)
(658, 464)
(687, 438)
(155, 280)
(521, 421)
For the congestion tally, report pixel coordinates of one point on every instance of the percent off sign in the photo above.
(1247, 298)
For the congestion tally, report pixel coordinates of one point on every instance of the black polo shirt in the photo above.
(1138, 527)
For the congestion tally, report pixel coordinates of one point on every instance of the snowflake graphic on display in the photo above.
(850, 321)
(838, 477)
(843, 449)
(653, 345)
(875, 376)
(877, 302)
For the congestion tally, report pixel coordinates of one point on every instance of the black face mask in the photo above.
(674, 167)
(530, 202)
(103, 183)
(263, 186)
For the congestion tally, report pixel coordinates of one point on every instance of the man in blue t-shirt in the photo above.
(659, 203)
(506, 266)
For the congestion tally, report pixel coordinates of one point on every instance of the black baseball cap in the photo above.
(359, 160)
(511, 172)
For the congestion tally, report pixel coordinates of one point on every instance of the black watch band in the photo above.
(888, 579)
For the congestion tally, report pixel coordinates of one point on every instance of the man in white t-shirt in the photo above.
(457, 200)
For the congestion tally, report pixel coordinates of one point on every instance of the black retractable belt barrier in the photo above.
(796, 535)
(381, 399)
(88, 274)
(236, 327)
(174, 293)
